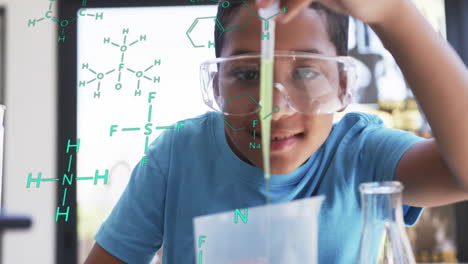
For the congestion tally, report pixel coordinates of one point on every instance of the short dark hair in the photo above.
(337, 26)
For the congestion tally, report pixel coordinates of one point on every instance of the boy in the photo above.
(202, 170)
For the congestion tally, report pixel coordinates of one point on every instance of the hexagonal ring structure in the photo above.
(229, 99)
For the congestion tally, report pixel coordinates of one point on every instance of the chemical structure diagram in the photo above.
(252, 145)
(63, 23)
(223, 29)
(140, 74)
(67, 180)
(148, 128)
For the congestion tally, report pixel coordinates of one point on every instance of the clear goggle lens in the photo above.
(304, 82)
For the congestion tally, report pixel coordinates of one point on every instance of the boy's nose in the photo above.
(280, 101)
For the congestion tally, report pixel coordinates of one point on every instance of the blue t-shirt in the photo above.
(193, 172)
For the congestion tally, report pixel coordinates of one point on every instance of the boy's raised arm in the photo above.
(434, 172)
(100, 256)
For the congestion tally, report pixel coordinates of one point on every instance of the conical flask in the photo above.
(383, 239)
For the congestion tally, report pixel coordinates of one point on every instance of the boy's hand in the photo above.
(368, 11)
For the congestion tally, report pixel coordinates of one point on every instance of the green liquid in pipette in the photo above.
(266, 97)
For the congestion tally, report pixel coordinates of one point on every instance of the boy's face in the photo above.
(307, 32)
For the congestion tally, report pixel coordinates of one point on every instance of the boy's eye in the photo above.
(306, 73)
(246, 75)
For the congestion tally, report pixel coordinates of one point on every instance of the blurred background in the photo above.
(73, 69)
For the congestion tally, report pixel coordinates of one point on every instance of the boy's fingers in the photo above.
(333, 5)
(264, 3)
(294, 7)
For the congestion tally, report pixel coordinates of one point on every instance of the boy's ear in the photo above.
(343, 84)
(216, 90)
(215, 85)
(343, 88)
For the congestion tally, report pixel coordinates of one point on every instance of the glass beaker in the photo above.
(270, 234)
(383, 238)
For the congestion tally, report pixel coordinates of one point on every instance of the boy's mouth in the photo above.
(282, 141)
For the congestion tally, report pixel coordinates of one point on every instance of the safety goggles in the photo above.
(307, 83)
